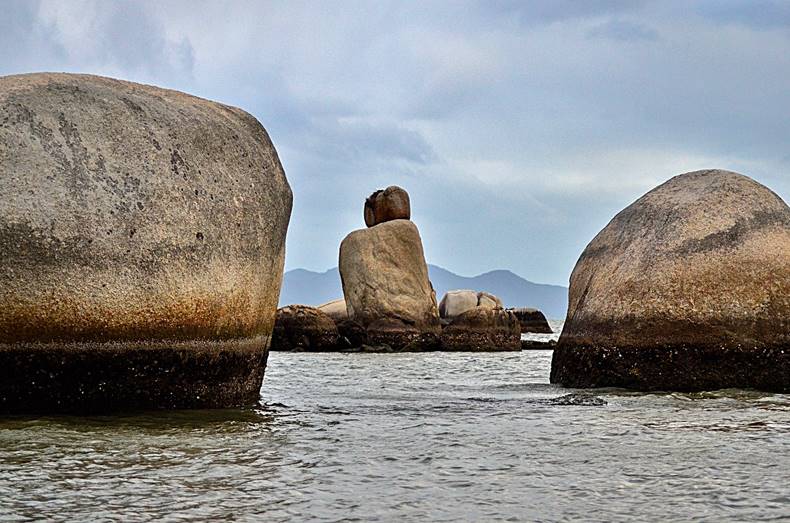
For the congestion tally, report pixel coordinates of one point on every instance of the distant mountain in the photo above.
(310, 288)
(314, 288)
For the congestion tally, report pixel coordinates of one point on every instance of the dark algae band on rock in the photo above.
(137, 225)
(683, 368)
(85, 377)
(300, 327)
(686, 289)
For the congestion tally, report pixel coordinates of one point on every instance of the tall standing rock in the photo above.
(142, 233)
(386, 285)
(686, 289)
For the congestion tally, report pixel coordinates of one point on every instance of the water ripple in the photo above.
(410, 437)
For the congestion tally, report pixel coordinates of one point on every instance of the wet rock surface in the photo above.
(686, 289)
(482, 329)
(303, 328)
(85, 378)
(577, 400)
(133, 219)
(685, 368)
(352, 334)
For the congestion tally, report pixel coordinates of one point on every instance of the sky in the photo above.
(519, 128)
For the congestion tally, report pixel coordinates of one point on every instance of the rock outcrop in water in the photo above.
(532, 320)
(386, 286)
(476, 321)
(385, 205)
(303, 328)
(143, 234)
(686, 289)
(482, 329)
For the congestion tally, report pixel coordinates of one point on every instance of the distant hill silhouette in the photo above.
(314, 288)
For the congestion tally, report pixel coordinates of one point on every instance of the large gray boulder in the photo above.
(386, 285)
(686, 289)
(143, 234)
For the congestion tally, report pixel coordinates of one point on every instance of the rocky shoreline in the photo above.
(389, 303)
(302, 328)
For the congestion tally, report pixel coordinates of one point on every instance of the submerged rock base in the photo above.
(459, 341)
(404, 340)
(482, 329)
(102, 377)
(676, 368)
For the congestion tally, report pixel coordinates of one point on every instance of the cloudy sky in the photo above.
(519, 128)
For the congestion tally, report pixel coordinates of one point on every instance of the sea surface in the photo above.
(410, 437)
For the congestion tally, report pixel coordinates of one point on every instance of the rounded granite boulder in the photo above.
(387, 204)
(686, 289)
(143, 236)
(457, 302)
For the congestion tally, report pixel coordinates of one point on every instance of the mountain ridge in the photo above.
(308, 287)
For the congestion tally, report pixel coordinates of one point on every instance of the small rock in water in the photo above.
(582, 400)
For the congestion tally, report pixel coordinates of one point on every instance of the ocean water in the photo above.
(556, 326)
(410, 437)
